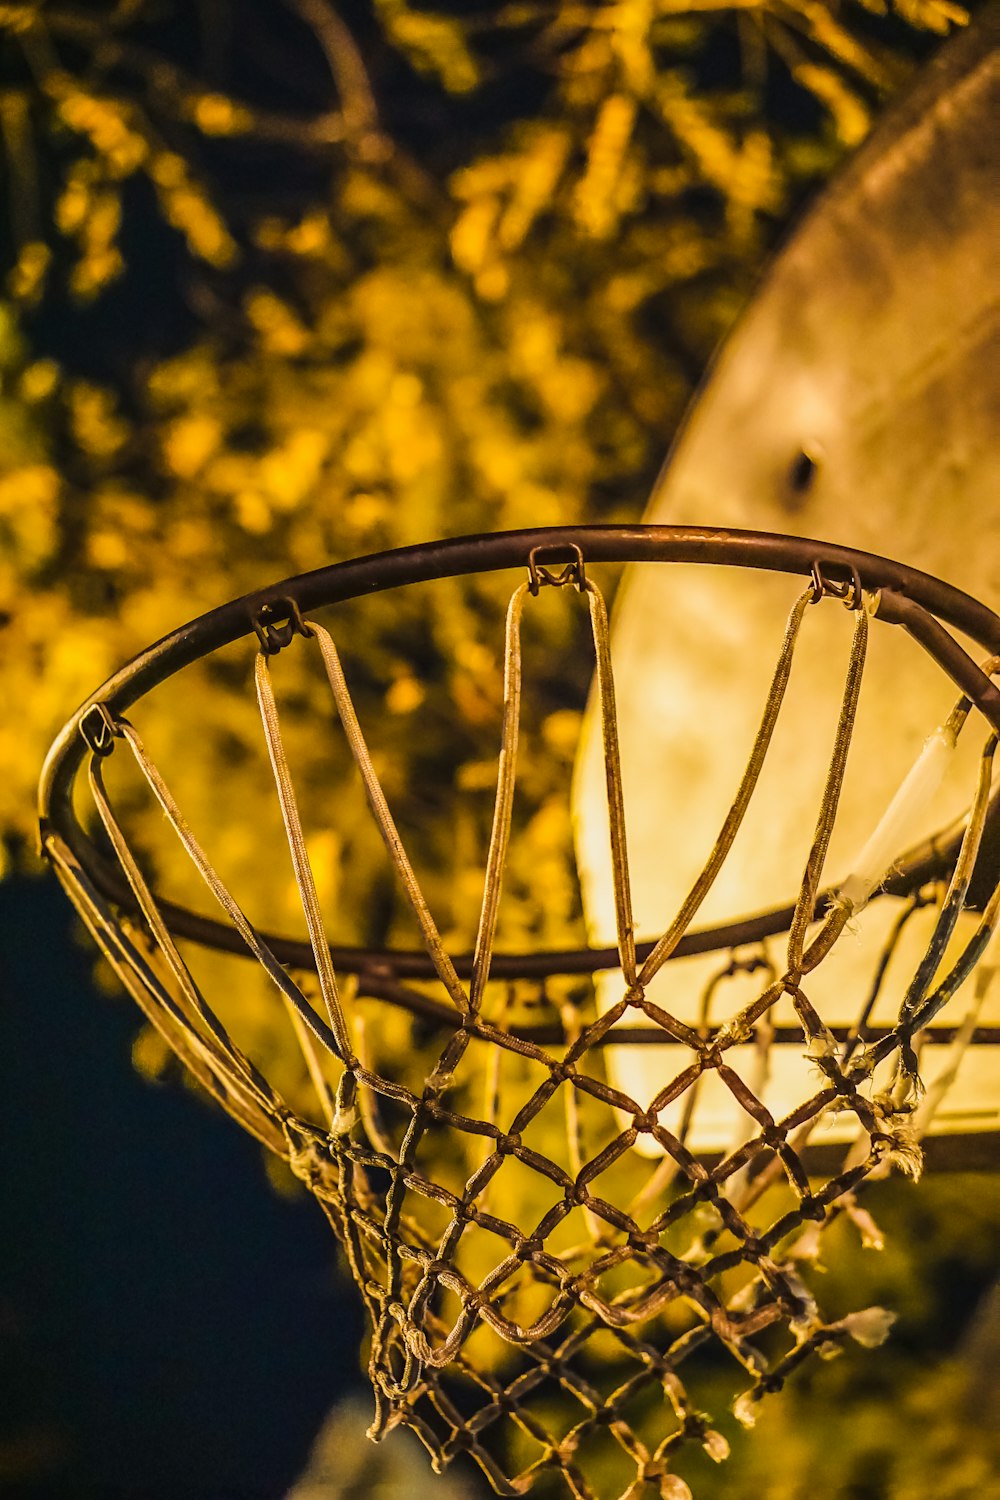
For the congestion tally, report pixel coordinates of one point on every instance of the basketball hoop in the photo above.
(540, 1265)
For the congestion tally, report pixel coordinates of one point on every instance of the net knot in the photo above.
(706, 1191)
(812, 1208)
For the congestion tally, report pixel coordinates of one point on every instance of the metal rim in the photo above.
(922, 604)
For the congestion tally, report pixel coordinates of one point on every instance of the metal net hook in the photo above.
(572, 571)
(849, 590)
(276, 622)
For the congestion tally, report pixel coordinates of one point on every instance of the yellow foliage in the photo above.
(150, 1054)
(18, 19)
(561, 732)
(100, 261)
(168, 170)
(96, 427)
(599, 199)
(192, 378)
(215, 114)
(534, 179)
(404, 695)
(280, 330)
(62, 651)
(503, 198)
(324, 851)
(434, 43)
(364, 513)
(122, 533)
(472, 234)
(311, 236)
(492, 282)
(629, 28)
(253, 512)
(933, 15)
(587, 70)
(692, 122)
(73, 203)
(26, 280)
(289, 473)
(189, 443)
(108, 550)
(28, 516)
(95, 271)
(107, 125)
(850, 113)
(39, 380)
(207, 237)
(188, 209)
(477, 776)
(231, 473)
(190, 538)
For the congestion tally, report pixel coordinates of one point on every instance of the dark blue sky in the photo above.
(169, 1326)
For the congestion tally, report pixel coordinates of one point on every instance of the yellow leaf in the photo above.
(96, 426)
(28, 515)
(850, 114)
(434, 44)
(26, 280)
(215, 114)
(280, 330)
(404, 695)
(39, 380)
(190, 442)
(597, 209)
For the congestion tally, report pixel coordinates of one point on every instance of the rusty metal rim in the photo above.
(922, 604)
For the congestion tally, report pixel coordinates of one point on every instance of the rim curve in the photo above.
(919, 602)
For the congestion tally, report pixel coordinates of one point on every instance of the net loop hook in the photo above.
(849, 590)
(572, 571)
(277, 622)
(100, 729)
